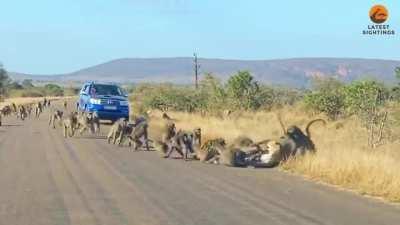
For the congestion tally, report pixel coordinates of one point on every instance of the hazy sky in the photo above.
(59, 36)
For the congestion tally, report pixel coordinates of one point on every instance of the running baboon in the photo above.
(95, 123)
(116, 131)
(21, 112)
(29, 109)
(70, 124)
(56, 115)
(38, 109)
(14, 108)
(44, 102)
(295, 142)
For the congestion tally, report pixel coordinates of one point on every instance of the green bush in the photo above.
(327, 97)
(244, 93)
(241, 92)
(361, 97)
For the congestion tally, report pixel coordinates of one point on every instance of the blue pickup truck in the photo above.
(109, 101)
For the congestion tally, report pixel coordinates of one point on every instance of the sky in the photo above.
(61, 36)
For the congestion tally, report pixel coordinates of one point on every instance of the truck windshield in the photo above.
(104, 89)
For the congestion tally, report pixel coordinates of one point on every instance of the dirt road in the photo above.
(48, 180)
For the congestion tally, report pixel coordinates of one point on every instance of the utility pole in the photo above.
(196, 71)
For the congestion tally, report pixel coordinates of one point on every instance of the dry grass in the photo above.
(343, 157)
(26, 100)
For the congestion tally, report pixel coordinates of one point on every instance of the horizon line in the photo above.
(200, 58)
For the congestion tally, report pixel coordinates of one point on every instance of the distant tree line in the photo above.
(26, 88)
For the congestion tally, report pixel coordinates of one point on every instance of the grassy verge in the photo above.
(28, 100)
(343, 157)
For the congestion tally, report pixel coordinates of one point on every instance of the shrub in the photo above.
(328, 97)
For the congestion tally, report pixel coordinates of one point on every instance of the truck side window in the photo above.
(87, 89)
(84, 88)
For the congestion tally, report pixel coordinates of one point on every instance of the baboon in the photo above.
(138, 134)
(116, 131)
(38, 109)
(196, 139)
(181, 143)
(56, 115)
(14, 108)
(65, 104)
(70, 124)
(85, 122)
(294, 142)
(162, 146)
(227, 113)
(6, 110)
(21, 112)
(95, 123)
(1, 116)
(29, 109)
(165, 116)
(44, 102)
(185, 143)
(48, 103)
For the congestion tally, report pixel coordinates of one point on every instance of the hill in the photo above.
(293, 72)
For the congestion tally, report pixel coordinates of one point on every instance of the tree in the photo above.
(14, 86)
(27, 83)
(366, 99)
(397, 71)
(243, 91)
(53, 90)
(395, 92)
(327, 97)
(4, 80)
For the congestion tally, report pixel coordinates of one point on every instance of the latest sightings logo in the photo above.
(378, 15)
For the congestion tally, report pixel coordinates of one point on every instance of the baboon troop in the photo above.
(172, 142)
(241, 152)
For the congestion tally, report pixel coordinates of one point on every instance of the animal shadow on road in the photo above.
(91, 137)
(11, 125)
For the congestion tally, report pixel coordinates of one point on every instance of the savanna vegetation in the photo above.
(358, 149)
(26, 88)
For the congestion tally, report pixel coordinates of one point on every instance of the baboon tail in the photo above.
(308, 133)
(281, 123)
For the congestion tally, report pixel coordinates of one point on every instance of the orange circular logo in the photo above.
(378, 14)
